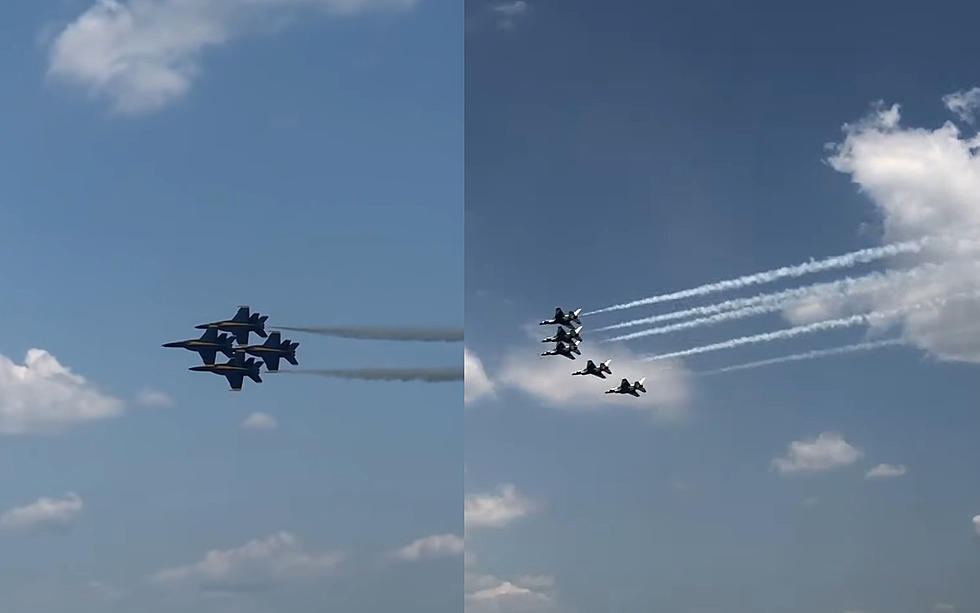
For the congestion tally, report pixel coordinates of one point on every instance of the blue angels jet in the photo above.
(591, 369)
(565, 350)
(235, 370)
(563, 336)
(626, 388)
(272, 350)
(240, 325)
(208, 345)
(563, 319)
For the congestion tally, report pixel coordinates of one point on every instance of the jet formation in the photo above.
(567, 338)
(214, 341)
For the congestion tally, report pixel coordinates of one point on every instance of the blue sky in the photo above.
(163, 163)
(624, 150)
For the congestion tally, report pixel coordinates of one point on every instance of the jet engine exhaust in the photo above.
(429, 375)
(431, 335)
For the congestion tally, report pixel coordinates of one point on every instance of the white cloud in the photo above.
(154, 399)
(476, 385)
(886, 471)
(43, 514)
(489, 594)
(942, 606)
(145, 54)
(436, 546)
(260, 564)
(826, 452)
(260, 421)
(923, 182)
(549, 379)
(43, 396)
(509, 12)
(976, 524)
(964, 103)
(497, 509)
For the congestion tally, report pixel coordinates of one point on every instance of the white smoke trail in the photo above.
(874, 279)
(836, 262)
(809, 355)
(829, 324)
(777, 301)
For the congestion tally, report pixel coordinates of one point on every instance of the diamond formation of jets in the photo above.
(567, 338)
(238, 365)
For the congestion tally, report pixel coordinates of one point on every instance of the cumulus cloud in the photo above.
(886, 471)
(496, 509)
(258, 565)
(436, 546)
(154, 399)
(43, 396)
(260, 421)
(826, 452)
(477, 384)
(145, 54)
(43, 514)
(549, 380)
(923, 182)
(486, 593)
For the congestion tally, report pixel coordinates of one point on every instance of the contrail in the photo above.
(809, 355)
(432, 335)
(876, 279)
(431, 375)
(840, 261)
(829, 324)
(771, 303)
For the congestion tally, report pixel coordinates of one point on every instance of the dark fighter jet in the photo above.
(591, 369)
(563, 336)
(208, 345)
(626, 388)
(563, 319)
(565, 350)
(235, 370)
(241, 324)
(272, 350)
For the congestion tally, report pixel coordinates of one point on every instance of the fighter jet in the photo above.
(563, 319)
(241, 324)
(562, 336)
(626, 388)
(235, 370)
(565, 349)
(208, 345)
(591, 369)
(272, 350)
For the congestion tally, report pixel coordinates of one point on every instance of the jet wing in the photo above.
(241, 336)
(207, 356)
(271, 362)
(235, 380)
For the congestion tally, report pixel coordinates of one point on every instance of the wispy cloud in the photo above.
(509, 12)
(145, 54)
(496, 509)
(826, 452)
(261, 564)
(260, 421)
(964, 103)
(476, 385)
(886, 471)
(43, 514)
(436, 546)
(154, 399)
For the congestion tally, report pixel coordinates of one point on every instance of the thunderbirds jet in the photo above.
(235, 370)
(626, 388)
(563, 319)
(272, 350)
(565, 350)
(208, 345)
(591, 369)
(241, 324)
(561, 336)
